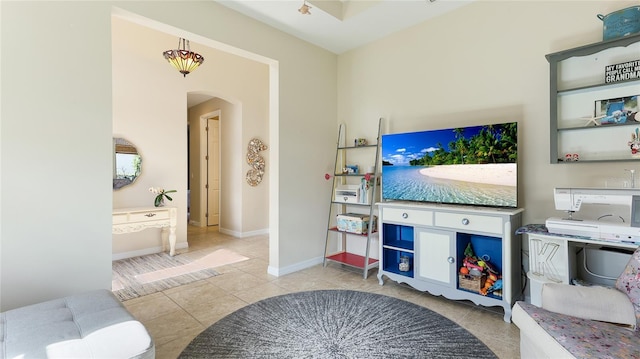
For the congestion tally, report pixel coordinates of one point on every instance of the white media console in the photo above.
(432, 238)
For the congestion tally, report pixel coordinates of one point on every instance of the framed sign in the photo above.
(624, 71)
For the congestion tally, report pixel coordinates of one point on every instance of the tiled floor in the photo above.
(174, 317)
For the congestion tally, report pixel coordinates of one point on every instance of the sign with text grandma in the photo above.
(624, 71)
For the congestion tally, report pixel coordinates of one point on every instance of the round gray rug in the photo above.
(335, 324)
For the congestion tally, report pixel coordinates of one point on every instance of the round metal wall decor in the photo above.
(254, 175)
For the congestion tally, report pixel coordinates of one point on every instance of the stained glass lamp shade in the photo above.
(182, 58)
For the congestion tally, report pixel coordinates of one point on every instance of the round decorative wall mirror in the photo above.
(127, 163)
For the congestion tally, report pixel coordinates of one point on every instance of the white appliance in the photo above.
(624, 228)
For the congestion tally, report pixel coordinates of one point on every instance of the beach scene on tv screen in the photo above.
(470, 165)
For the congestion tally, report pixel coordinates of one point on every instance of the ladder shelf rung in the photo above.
(353, 260)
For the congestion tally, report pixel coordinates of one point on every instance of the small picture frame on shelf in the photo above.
(617, 111)
(359, 142)
(350, 169)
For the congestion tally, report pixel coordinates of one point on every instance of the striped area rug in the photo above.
(138, 276)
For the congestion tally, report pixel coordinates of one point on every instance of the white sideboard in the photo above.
(432, 239)
(128, 220)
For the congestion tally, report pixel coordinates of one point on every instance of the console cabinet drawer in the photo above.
(469, 222)
(148, 216)
(408, 216)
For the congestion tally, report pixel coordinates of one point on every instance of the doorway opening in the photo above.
(205, 163)
(212, 186)
(234, 212)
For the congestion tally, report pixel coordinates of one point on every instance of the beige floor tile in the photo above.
(355, 281)
(172, 326)
(490, 327)
(208, 312)
(263, 291)
(236, 281)
(255, 266)
(251, 249)
(226, 269)
(151, 306)
(504, 351)
(172, 349)
(298, 282)
(203, 245)
(195, 295)
(176, 316)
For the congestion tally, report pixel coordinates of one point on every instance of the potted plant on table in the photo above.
(161, 194)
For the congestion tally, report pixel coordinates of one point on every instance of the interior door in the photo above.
(213, 171)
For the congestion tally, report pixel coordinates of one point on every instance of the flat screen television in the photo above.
(475, 165)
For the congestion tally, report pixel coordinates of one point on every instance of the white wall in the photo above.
(482, 63)
(57, 103)
(56, 150)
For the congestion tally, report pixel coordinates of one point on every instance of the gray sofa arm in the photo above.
(594, 303)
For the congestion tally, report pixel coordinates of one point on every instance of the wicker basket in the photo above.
(471, 283)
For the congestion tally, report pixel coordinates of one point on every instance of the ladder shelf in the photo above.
(360, 203)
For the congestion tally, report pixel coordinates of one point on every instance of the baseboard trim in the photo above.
(237, 234)
(294, 267)
(144, 251)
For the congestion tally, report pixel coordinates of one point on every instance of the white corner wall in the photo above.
(56, 140)
(482, 63)
(57, 125)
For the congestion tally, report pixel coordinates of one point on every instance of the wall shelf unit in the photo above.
(353, 194)
(583, 127)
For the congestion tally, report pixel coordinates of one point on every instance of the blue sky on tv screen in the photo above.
(400, 148)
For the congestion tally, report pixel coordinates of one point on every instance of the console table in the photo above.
(128, 220)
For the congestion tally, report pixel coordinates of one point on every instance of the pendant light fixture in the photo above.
(183, 58)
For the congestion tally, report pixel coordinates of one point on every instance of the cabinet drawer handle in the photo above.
(450, 260)
(405, 215)
(465, 221)
(149, 215)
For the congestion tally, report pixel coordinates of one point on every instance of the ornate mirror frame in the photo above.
(127, 163)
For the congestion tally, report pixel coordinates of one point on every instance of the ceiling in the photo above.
(342, 25)
(339, 25)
